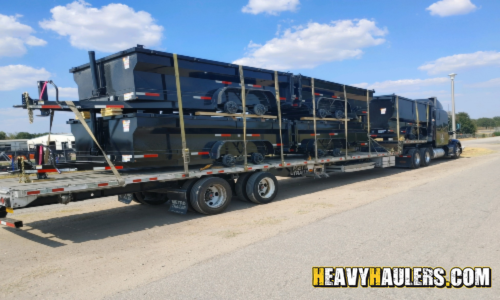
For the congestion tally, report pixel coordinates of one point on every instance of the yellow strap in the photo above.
(244, 116)
(345, 121)
(368, 121)
(278, 104)
(80, 117)
(185, 150)
(314, 122)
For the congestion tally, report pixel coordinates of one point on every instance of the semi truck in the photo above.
(155, 142)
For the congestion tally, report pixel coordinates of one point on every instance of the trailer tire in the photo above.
(415, 158)
(142, 197)
(3, 212)
(425, 155)
(211, 195)
(241, 187)
(188, 186)
(262, 187)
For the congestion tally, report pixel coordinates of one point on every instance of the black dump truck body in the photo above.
(145, 79)
(422, 120)
(418, 129)
(190, 151)
(329, 97)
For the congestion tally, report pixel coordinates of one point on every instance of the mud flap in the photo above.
(126, 198)
(178, 206)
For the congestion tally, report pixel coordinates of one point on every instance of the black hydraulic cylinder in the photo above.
(93, 70)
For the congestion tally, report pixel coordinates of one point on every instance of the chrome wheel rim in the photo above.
(215, 196)
(427, 157)
(417, 159)
(266, 188)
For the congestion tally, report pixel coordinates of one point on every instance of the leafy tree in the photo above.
(485, 122)
(466, 124)
(497, 121)
(3, 135)
(23, 135)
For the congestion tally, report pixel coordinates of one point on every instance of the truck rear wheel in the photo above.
(415, 158)
(457, 151)
(210, 195)
(241, 187)
(188, 186)
(262, 187)
(3, 212)
(425, 155)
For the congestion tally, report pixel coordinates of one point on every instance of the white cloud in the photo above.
(456, 62)
(272, 7)
(113, 27)
(64, 93)
(412, 88)
(18, 76)
(314, 44)
(495, 82)
(445, 8)
(14, 36)
(16, 120)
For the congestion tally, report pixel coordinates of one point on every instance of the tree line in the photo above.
(469, 126)
(20, 135)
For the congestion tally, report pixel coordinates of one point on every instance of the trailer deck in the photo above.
(17, 195)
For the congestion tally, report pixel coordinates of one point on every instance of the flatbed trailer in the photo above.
(208, 189)
(77, 186)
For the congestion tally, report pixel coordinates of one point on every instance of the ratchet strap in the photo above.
(368, 121)
(278, 104)
(185, 150)
(314, 122)
(345, 123)
(80, 117)
(244, 116)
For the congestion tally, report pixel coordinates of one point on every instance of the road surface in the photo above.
(444, 215)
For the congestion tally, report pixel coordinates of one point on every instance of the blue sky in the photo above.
(403, 47)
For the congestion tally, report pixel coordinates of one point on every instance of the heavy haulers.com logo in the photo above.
(400, 277)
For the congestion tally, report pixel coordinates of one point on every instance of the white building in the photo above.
(60, 141)
(13, 145)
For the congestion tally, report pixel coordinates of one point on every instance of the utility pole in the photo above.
(452, 76)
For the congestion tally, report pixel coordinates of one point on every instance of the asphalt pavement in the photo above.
(452, 221)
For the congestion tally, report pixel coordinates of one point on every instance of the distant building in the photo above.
(13, 145)
(57, 141)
